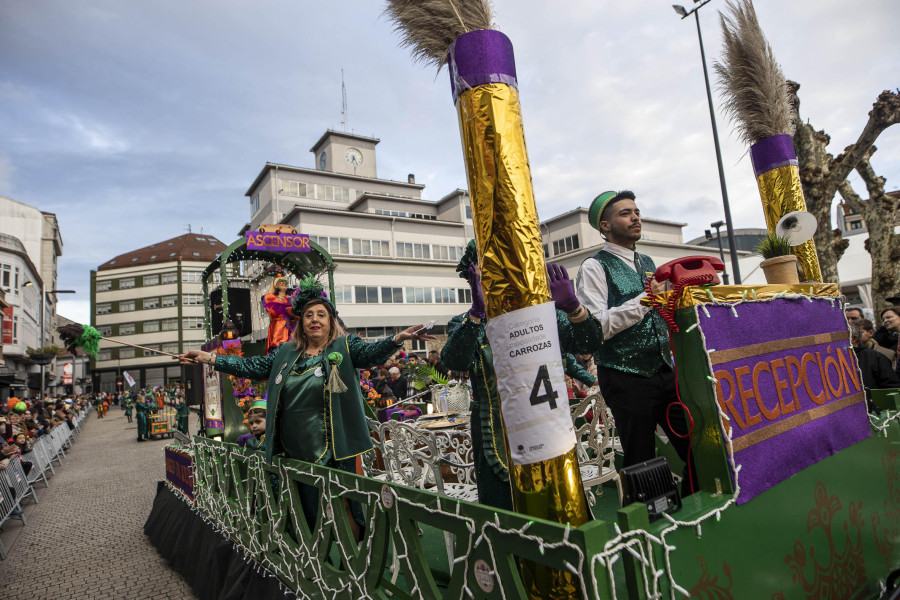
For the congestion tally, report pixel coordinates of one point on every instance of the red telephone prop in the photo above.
(693, 267)
(689, 270)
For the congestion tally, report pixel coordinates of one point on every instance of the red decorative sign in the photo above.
(67, 373)
(8, 325)
(277, 242)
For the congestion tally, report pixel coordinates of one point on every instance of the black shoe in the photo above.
(140, 439)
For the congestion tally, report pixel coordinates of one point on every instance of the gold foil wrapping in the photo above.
(514, 276)
(507, 229)
(717, 294)
(781, 193)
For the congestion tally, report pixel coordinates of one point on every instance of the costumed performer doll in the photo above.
(281, 320)
(256, 422)
(467, 349)
(314, 408)
(129, 407)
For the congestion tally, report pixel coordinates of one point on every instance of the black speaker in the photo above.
(193, 383)
(650, 482)
(238, 310)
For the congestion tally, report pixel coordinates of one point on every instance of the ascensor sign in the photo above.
(279, 242)
(787, 379)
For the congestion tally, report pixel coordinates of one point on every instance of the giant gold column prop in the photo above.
(778, 177)
(521, 327)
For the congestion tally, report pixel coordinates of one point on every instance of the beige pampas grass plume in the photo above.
(750, 80)
(428, 27)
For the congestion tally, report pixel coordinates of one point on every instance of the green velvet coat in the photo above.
(340, 415)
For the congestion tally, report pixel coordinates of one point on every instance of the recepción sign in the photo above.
(281, 242)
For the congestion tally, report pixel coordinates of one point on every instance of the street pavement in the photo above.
(85, 538)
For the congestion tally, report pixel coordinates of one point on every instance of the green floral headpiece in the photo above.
(310, 289)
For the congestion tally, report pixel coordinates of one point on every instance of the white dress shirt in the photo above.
(593, 292)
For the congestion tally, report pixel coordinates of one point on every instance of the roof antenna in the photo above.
(345, 116)
(188, 227)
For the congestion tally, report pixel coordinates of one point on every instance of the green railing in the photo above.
(234, 488)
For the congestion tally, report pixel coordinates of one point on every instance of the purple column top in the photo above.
(479, 57)
(773, 152)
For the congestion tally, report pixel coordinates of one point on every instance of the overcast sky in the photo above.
(132, 119)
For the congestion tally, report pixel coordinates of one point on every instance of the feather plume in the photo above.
(428, 27)
(751, 82)
(80, 336)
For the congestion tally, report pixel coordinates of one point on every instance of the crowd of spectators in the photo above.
(22, 422)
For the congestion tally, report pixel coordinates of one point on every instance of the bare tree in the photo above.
(823, 177)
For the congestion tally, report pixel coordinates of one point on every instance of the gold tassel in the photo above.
(335, 384)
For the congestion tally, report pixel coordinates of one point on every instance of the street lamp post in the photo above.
(683, 13)
(44, 293)
(717, 225)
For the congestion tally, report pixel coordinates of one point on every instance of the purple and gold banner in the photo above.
(788, 381)
(180, 472)
(277, 242)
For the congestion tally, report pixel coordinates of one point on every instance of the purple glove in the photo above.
(561, 289)
(478, 306)
(242, 441)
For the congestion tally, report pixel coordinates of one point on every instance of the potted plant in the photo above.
(780, 264)
(446, 395)
(43, 355)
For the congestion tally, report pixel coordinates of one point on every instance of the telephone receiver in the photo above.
(699, 269)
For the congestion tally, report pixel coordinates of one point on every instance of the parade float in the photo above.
(798, 484)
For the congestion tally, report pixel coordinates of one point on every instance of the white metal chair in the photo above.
(595, 446)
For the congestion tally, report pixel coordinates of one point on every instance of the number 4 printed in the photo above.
(549, 395)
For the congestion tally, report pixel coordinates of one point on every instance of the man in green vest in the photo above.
(635, 370)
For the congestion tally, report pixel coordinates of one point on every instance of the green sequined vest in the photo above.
(644, 347)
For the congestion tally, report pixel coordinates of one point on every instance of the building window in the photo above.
(191, 276)
(169, 301)
(104, 355)
(566, 244)
(468, 211)
(104, 285)
(150, 303)
(370, 247)
(453, 253)
(192, 300)
(343, 294)
(856, 225)
(392, 295)
(192, 323)
(104, 308)
(151, 326)
(148, 353)
(417, 295)
(151, 279)
(254, 205)
(6, 280)
(409, 250)
(463, 295)
(126, 305)
(445, 295)
(171, 277)
(126, 328)
(171, 348)
(126, 283)
(418, 346)
(104, 330)
(546, 250)
(126, 353)
(170, 324)
(366, 294)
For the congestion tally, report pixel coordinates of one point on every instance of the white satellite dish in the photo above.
(798, 227)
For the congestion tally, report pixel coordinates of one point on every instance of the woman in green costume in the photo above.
(182, 414)
(467, 349)
(314, 408)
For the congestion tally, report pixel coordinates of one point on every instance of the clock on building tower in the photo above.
(353, 157)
